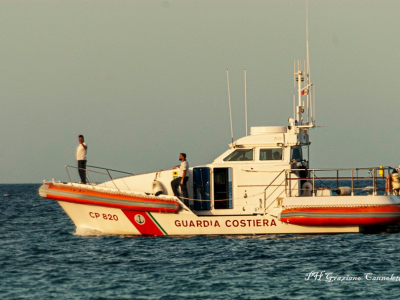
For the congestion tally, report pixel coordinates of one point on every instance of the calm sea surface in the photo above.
(42, 257)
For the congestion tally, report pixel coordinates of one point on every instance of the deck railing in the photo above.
(332, 182)
(357, 181)
(107, 173)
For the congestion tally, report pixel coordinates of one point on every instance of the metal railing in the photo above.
(333, 182)
(356, 181)
(277, 186)
(107, 173)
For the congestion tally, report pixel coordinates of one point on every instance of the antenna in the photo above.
(305, 110)
(245, 97)
(308, 53)
(310, 101)
(230, 108)
(294, 106)
(314, 104)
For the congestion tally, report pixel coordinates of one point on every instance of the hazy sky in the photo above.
(145, 80)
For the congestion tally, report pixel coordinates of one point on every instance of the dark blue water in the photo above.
(43, 258)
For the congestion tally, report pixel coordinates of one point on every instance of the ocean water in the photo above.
(42, 257)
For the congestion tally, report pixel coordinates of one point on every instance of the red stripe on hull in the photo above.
(339, 222)
(143, 222)
(353, 216)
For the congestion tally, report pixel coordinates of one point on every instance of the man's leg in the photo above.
(82, 170)
(184, 190)
(174, 184)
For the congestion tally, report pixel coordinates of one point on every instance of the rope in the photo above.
(201, 200)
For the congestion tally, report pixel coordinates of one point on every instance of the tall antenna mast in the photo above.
(308, 54)
(305, 113)
(230, 108)
(310, 87)
(245, 97)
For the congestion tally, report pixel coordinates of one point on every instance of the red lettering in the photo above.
(105, 216)
(198, 223)
(206, 224)
(265, 223)
(258, 223)
(235, 223)
(243, 223)
(273, 222)
(216, 224)
(226, 223)
(191, 224)
(249, 222)
(184, 223)
(177, 223)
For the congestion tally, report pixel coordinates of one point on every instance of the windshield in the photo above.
(240, 155)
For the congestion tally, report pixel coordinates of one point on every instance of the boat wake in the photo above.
(89, 232)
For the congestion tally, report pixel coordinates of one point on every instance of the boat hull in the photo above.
(126, 213)
(129, 222)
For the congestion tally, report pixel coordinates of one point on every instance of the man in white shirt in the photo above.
(81, 158)
(183, 177)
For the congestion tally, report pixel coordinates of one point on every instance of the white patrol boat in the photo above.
(261, 185)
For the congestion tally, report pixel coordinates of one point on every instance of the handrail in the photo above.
(88, 171)
(112, 170)
(128, 173)
(265, 209)
(265, 190)
(108, 169)
(369, 178)
(348, 169)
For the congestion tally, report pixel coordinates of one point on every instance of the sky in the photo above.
(146, 80)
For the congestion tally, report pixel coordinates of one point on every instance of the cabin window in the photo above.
(271, 154)
(240, 155)
(222, 188)
(297, 154)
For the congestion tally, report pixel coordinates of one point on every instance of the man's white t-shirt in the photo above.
(81, 152)
(184, 167)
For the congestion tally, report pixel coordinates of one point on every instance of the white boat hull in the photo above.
(127, 222)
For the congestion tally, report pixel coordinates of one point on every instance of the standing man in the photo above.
(81, 158)
(183, 177)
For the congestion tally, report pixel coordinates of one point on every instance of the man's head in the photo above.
(81, 138)
(182, 156)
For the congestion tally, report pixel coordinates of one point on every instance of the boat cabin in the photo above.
(235, 182)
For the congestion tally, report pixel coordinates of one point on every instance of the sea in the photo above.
(43, 257)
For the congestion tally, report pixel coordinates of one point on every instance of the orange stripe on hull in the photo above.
(127, 207)
(105, 194)
(342, 216)
(90, 197)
